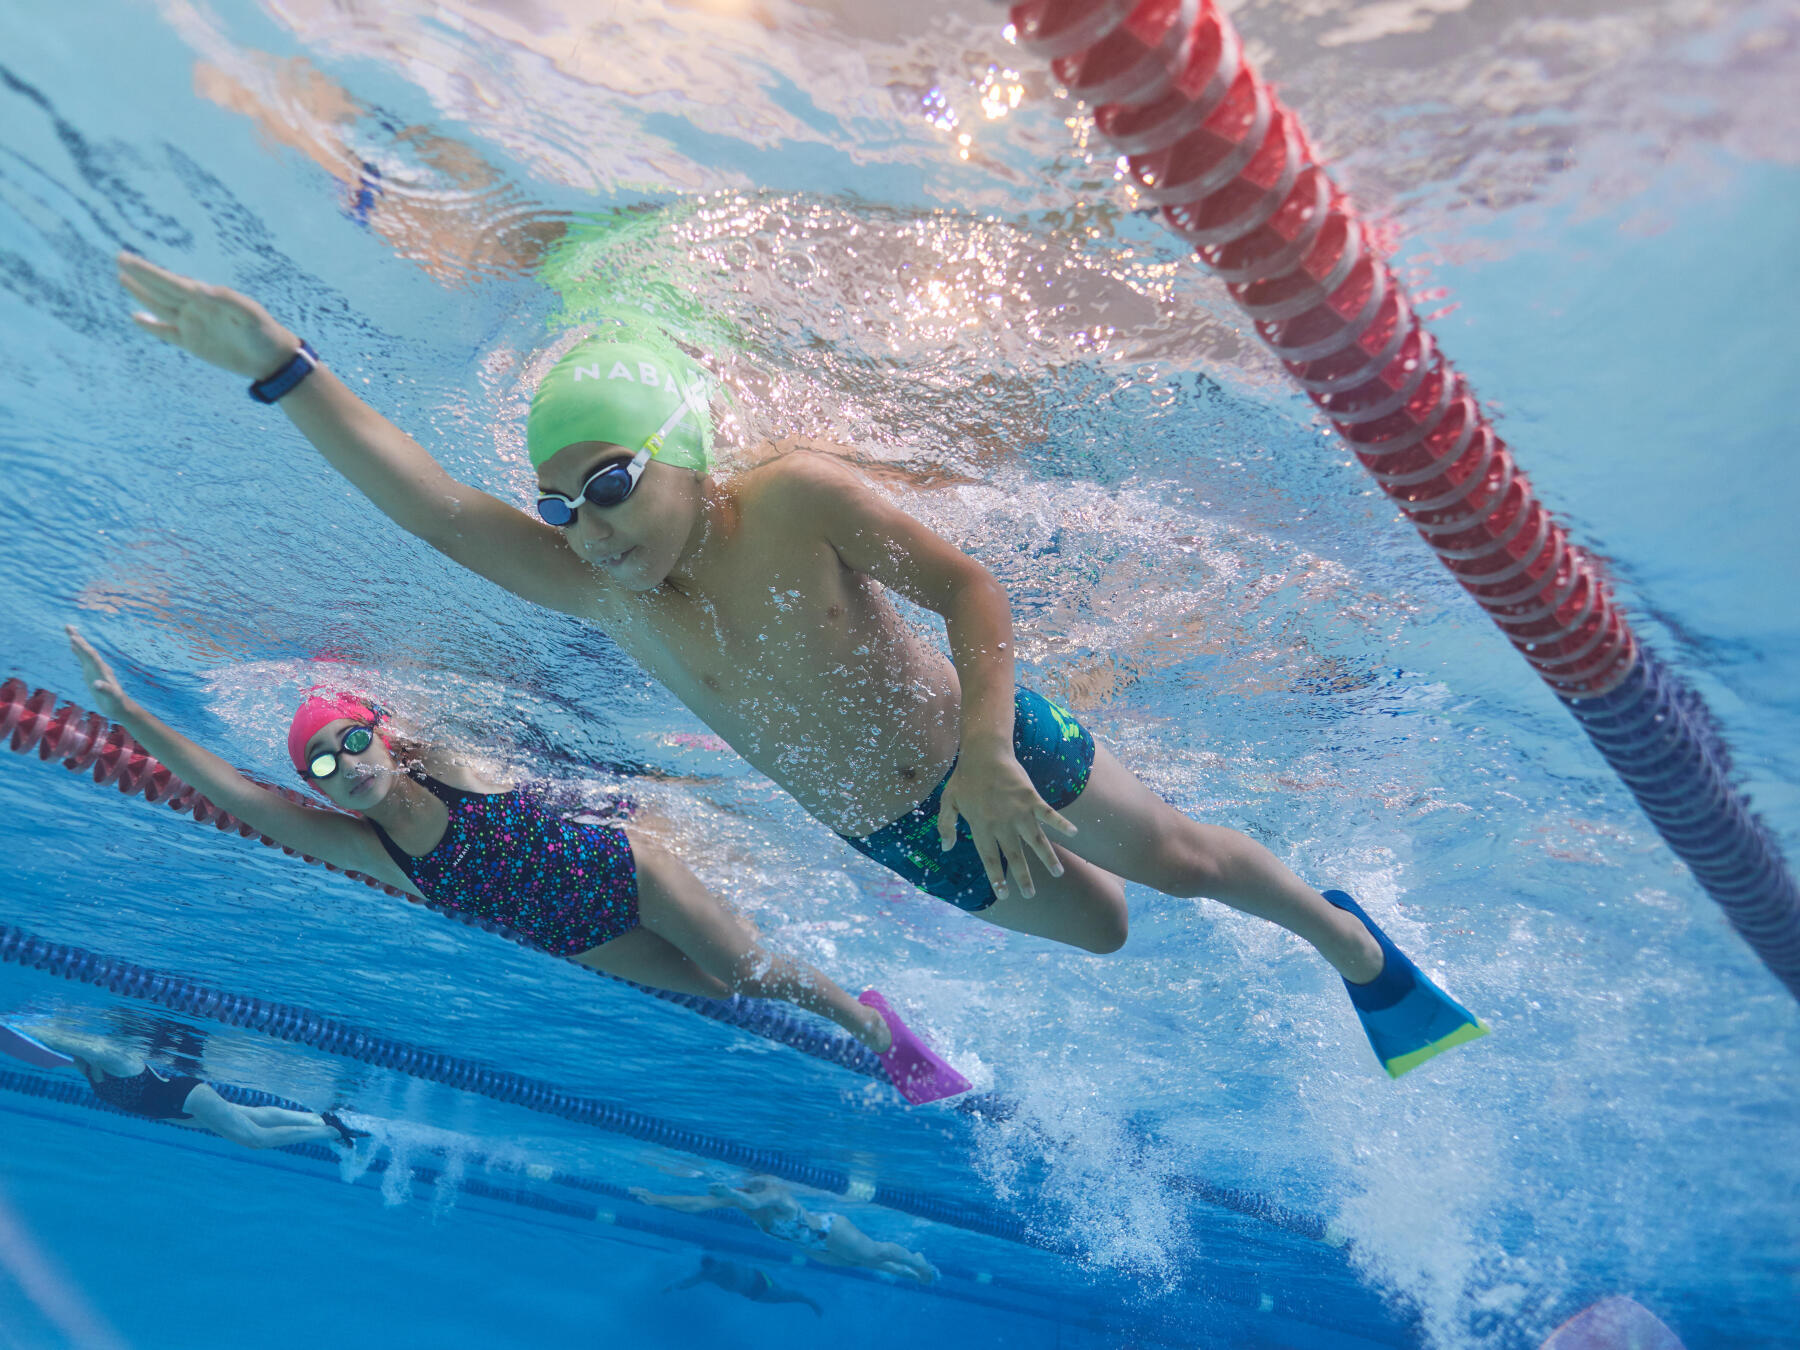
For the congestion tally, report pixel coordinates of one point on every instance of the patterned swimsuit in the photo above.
(510, 859)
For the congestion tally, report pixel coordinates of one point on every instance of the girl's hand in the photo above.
(109, 698)
(1006, 818)
(215, 323)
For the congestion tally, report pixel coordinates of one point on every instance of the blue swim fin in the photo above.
(1408, 1018)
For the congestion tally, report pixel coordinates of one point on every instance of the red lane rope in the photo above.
(85, 740)
(1206, 138)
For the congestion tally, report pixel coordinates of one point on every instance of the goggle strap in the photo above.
(655, 443)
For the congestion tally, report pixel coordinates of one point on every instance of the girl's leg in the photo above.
(237, 1124)
(675, 906)
(848, 1245)
(268, 1117)
(1128, 830)
(644, 958)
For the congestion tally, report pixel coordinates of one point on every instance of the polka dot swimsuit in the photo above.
(508, 858)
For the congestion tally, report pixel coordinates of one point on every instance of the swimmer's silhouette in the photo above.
(734, 1277)
(122, 1077)
(830, 1239)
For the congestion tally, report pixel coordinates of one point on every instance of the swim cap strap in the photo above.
(282, 382)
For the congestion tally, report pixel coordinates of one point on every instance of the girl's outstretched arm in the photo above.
(681, 1204)
(390, 468)
(331, 835)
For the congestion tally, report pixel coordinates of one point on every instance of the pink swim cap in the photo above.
(321, 710)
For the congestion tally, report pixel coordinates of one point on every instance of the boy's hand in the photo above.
(109, 699)
(1006, 818)
(215, 323)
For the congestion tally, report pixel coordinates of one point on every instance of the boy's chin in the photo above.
(639, 574)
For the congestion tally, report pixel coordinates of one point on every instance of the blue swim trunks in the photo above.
(1056, 752)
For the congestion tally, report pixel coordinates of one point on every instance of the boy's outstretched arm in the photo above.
(331, 835)
(989, 790)
(387, 466)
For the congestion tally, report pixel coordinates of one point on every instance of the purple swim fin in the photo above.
(911, 1065)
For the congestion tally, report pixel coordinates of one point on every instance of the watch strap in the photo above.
(283, 381)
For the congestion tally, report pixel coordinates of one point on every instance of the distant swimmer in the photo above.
(745, 1281)
(121, 1077)
(763, 600)
(427, 824)
(827, 1238)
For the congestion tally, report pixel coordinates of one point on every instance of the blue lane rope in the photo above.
(302, 1026)
(1661, 740)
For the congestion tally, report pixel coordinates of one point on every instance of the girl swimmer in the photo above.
(607, 897)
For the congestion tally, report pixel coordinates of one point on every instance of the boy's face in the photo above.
(361, 781)
(637, 542)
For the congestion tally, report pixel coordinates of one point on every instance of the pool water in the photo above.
(900, 239)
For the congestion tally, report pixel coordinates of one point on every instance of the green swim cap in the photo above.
(629, 389)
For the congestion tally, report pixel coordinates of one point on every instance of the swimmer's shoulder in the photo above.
(457, 769)
(111, 1058)
(801, 475)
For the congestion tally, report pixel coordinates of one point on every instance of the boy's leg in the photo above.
(1128, 830)
(1084, 907)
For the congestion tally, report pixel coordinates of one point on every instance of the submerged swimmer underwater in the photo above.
(764, 541)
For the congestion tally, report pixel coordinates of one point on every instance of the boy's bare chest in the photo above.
(768, 629)
(805, 668)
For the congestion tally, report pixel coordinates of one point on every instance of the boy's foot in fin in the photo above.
(1408, 1018)
(347, 1133)
(912, 1066)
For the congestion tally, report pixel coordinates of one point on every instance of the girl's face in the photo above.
(362, 780)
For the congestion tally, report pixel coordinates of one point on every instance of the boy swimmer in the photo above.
(760, 602)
